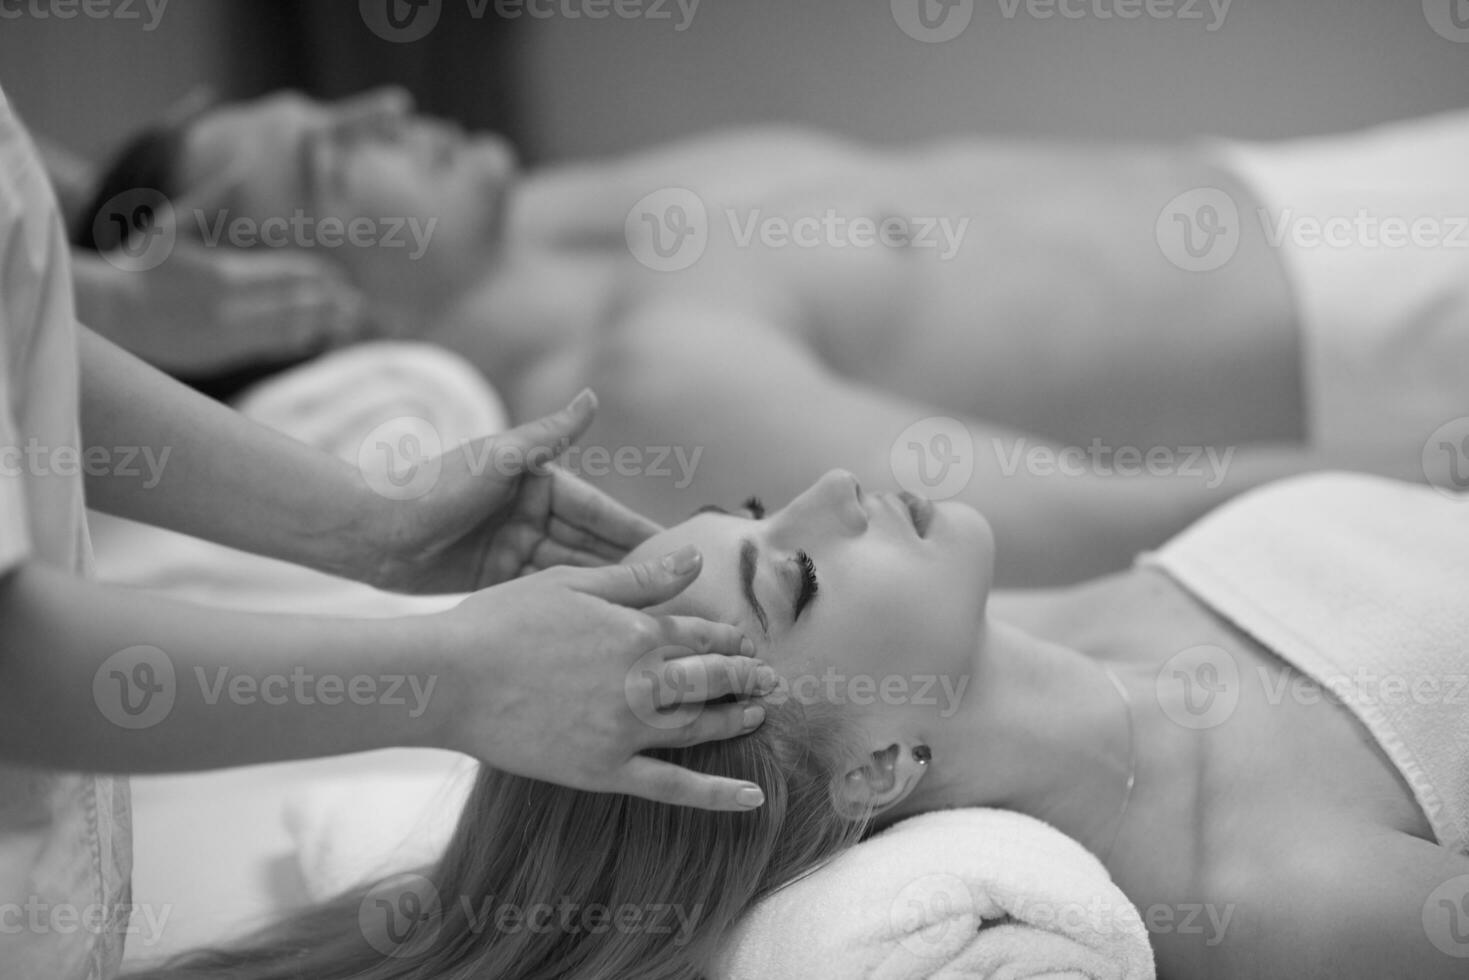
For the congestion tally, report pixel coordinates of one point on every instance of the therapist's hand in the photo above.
(207, 310)
(568, 681)
(499, 509)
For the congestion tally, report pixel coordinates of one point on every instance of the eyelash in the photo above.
(809, 585)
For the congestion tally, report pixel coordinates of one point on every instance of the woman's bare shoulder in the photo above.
(1346, 901)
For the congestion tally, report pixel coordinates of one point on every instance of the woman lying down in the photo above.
(1261, 716)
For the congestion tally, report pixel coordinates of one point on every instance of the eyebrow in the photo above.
(749, 559)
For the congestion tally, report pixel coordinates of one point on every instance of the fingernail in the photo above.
(765, 680)
(682, 561)
(587, 398)
(750, 797)
(753, 716)
(747, 647)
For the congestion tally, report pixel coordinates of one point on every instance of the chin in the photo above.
(964, 531)
(965, 525)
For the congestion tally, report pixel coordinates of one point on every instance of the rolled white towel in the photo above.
(336, 401)
(948, 895)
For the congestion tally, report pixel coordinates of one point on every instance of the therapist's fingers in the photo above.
(693, 681)
(300, 313)
(644, 584)
(580, 539)
(198, 207)
(550, 554)
(683, 727)
(384, 102)
(310, 318)
(664, 782)
(698, 635)
(541, 442)
(576, 503)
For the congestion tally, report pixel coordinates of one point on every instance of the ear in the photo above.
(884, 781)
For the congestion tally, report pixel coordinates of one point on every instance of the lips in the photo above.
(920, 511)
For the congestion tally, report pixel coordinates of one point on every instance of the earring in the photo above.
(922, 755)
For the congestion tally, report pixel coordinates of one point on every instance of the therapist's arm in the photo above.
(180, 461)
(556, 676)
(104, 679)
(488, 511)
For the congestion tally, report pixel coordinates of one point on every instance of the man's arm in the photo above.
(767, 418)
(203, 469)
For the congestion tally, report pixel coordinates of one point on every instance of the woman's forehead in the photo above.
(714, 594)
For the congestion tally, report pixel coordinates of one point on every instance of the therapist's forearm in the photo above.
(213, 688)
(199, 467)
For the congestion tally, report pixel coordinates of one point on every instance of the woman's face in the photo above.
(891, 605)
(428, 197)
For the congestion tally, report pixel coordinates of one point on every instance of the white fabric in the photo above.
(413, 813)
(335, 401)
(1384, 309)
(65, 849)
(1362, 584)
(948, 895)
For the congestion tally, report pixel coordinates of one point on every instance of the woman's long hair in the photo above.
(540, 882)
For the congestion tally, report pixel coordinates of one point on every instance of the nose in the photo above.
(832, 505)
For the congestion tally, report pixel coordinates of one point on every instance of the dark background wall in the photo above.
(575, 87)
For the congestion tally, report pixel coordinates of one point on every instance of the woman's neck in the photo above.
(1044, 732)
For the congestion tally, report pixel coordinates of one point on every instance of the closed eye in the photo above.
(808, 584)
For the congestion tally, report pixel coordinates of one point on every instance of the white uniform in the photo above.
(65, 844)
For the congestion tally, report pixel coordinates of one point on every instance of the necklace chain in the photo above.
(1131, 758)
